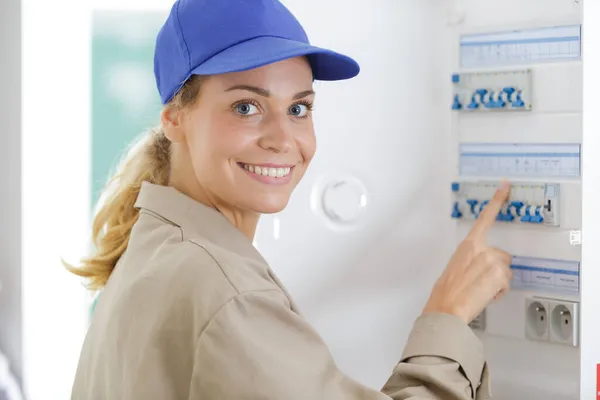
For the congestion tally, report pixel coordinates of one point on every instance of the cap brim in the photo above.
(327, 65)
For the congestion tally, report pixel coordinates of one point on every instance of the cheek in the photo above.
(234, 142)
(308, 145)
(225, 140)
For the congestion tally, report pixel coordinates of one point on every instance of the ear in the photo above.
(171, 119)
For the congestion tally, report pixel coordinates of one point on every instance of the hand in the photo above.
(476, 274)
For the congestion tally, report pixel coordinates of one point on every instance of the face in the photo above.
(250, 136)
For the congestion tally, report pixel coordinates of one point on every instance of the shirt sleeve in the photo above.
(443, 359)
(257, 348)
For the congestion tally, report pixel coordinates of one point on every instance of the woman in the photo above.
(189, 309)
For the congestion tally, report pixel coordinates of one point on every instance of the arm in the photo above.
(257, 348)
(443, 359)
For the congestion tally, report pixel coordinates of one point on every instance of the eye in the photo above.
(246, 109)
(299, 110)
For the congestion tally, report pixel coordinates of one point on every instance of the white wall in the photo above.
(10, 194)
(55, 191)
(362, 289)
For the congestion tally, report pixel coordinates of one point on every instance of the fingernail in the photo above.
(504, 185)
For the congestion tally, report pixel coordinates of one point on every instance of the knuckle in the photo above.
(499, 272)
(488, 258)
(468, 244)
(503, 256)
(507, 275)
(469, 247)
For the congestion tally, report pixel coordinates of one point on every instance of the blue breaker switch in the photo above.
(509, 93)
(455, 186)
(456, 104)
(473, 104)
(495, 100)
(518, 102)
(455, 78)
(500, 103)
(537, 218)
(472, 203)
(517, 205)
(490, 100)
(527, 216)
(478, 93)
(456, 211)
(481, 93)
(506, 217)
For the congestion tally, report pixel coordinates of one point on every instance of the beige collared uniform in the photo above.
(192, 311)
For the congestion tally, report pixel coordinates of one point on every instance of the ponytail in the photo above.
(148, 160)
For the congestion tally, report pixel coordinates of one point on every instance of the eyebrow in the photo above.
(266, 93)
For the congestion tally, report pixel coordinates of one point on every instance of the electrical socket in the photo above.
(564, 322)
(536, 320)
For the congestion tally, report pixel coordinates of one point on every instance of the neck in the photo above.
(244, 220)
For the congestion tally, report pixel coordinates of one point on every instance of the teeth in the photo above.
(265, 171)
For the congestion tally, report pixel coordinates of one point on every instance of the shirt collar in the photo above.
(195, 218)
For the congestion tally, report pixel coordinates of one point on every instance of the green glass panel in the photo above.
(125, 101)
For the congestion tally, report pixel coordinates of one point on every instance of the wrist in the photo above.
(454, 311)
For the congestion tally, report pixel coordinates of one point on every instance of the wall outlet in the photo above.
(536, 324)
(564, 322)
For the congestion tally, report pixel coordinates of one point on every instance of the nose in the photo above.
(277, 136)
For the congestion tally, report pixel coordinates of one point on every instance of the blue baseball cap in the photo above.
(209, 37)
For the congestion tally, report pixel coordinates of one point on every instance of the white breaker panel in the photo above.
(516, 102)
(529, 203)
(492, 91)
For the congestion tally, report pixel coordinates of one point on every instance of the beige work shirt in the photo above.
(192, 311)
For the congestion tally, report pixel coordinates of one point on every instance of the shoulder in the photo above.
(192, 271)
(242, 273)
(156, 243)
(175, 282)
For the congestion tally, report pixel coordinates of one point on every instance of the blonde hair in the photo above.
(149, 159)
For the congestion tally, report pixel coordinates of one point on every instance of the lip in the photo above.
(269, 180)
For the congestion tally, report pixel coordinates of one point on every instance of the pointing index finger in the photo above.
(487, 218)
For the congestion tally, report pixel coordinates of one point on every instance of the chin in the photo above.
(269, 206)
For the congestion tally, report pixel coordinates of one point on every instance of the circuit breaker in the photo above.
(492, 91)
(529, 203)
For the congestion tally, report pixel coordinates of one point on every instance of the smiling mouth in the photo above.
(273, 172)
